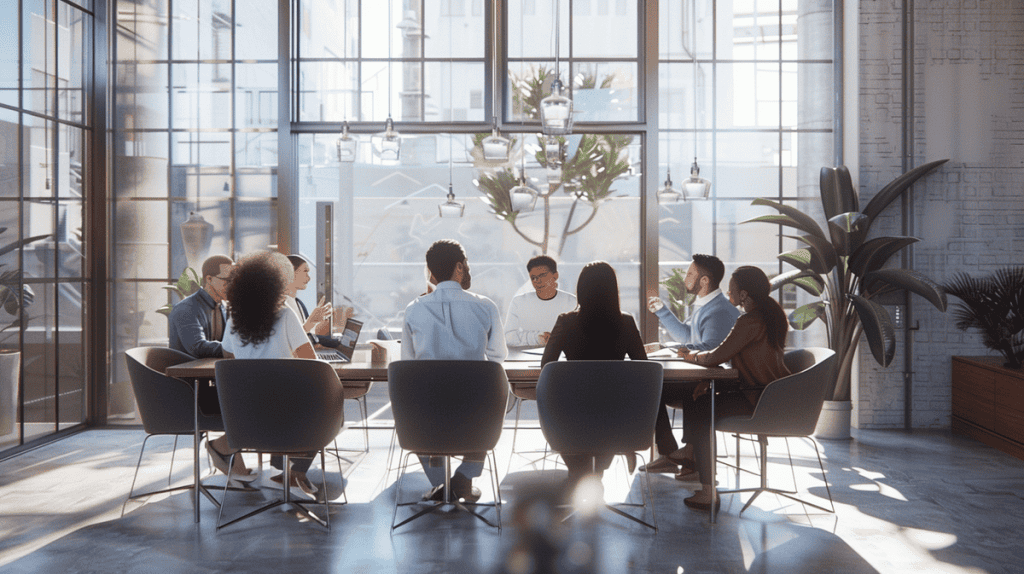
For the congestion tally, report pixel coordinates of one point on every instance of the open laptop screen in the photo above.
(349, 337)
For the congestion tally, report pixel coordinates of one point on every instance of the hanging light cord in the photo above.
(451, 100)
(390, 10)
(693, 54)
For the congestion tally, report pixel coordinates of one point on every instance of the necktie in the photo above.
(217, 324)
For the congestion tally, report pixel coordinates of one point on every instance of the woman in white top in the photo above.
(314, 322)
(260, 326)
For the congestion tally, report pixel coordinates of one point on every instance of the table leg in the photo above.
(714, 459)
(195, 449)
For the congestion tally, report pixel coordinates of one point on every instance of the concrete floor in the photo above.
(920, 502)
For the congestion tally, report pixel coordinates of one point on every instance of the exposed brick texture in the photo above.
(968, 107)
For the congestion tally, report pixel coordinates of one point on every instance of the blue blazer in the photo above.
(706, 328)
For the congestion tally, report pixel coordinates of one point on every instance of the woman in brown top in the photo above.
(755, 347)
(596, 330)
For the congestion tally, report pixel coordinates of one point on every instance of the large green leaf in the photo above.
(848, 231)
(878, 329)
(824, 249)
(789, 277)
(810, 283)
(16, 244)
(874, 253)
(896, 187)
(804, 259)
(797, 218)
(906, 279)
(802, 317)
(837, 193)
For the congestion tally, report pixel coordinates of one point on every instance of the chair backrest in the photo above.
(592, 407)
(166, 404)
(791, 405)
(280, 405)
(447, 407)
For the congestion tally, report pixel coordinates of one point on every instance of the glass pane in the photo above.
(528, 84)
(379, 266)
(750, 33)
(39, 219)
(8, 67)
(376, 34)
(71, 161)
(328, 28)
(39, 364)
(140, 235)
(606, 33)
(142, 27)
(328, 91)
(255, 183)
(374, 91)
(141, 176)
(450, 96)
(217, 213)
(748, 165)
(142, 96)
(255, 225)
(754, 88)
(605, 92)
(72, 58)
(202, 29)
(255, 30)
(676, 96)
(39, 169)
(38, 56)
(201, 185)
(531, 29)
(255, 96)
(451, 30)
(10, 186)
(202, 148)
(70, 252)
(255, 149)
(201, 98)
(71, 363)
(143, 146)
(677, 30)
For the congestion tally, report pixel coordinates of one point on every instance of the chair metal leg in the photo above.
(364, 411)
(646, 478)
(286, 500)
(763, 460)
(448, 500)
(131, 490)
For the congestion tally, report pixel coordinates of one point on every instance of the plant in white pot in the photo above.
(15, 298)
(848, 272)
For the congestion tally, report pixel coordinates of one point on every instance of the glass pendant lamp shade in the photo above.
(451, 208)
(522, 197)
(388, 143)
(554, 175)
(346, 146)
(496, 147)
(196, 238)
(553, 152)
(696, 187)
(668, 194)
(556, 112)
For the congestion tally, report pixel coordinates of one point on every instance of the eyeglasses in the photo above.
(540, 277)
(224, 279)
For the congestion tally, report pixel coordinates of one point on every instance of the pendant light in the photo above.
(450, 208)
(387, 145)
(668, 194)
(522, 197)
(556, 109)
(496, 147)
(196, 232)
(695, 187)
(346, 145)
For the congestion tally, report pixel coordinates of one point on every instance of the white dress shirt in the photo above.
(452, 323)
(529, 316)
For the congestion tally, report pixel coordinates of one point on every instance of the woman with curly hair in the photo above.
(260, 326)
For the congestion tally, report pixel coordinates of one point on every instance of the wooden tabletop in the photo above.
(521, 372)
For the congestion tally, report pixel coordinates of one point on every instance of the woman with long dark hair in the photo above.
(596, 330)
(755, 346)
(260, 326)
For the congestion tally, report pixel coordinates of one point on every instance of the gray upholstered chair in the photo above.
(447, 408)
(788, 407)
(601, 407)
(166, 405)
(280, 406)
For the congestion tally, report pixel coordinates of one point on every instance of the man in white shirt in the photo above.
(532, 315)
(449, 322)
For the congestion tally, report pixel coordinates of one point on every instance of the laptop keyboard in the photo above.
(330, 356)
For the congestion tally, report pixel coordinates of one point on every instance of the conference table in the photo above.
(522, 369)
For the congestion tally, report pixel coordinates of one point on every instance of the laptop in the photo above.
(347, 345)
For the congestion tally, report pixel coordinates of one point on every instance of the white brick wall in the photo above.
(969, 107)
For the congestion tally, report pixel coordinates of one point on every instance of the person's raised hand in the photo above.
(654, 304)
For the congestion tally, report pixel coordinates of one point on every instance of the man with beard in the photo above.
(710, 320)
(451, 323)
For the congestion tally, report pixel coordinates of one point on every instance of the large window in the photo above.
(45, 166)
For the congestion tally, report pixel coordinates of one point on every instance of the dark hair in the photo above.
(255, 295)
(710, 267)
(211, 267)
(755, 283)
(597, 291)
(542, 261)
(442, 257)
(297, 260)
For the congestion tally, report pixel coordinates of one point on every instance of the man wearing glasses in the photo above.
(197, 321)
(532, 315)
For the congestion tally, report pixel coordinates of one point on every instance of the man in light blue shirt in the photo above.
(452, 323)
(710, 320)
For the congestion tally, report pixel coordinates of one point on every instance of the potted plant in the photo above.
(847, 271)
(988, 392)
(187, 284)
(15, 298)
